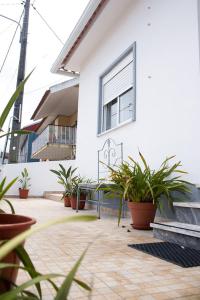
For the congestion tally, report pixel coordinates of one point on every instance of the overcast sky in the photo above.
(43, 47)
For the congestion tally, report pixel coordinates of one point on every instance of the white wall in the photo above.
(168, 82)
(41, 178)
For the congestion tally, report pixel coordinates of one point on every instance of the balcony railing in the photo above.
(54, 135)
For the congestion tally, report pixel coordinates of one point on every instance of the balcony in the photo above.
(55, 143)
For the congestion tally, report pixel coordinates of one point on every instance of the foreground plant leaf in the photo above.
(12, 295)
(12, 100)
(13, 243)
(63, 291)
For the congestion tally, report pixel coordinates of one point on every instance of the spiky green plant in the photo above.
(139, 183)
(66, 178)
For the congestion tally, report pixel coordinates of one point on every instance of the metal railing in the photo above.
(54, 135)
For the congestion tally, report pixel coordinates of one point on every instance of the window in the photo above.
(117, 103)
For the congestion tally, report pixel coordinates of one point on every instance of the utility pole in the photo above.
(17, 114)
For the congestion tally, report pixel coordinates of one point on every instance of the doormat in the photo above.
(182, 256)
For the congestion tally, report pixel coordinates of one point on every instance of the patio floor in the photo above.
(114, 270)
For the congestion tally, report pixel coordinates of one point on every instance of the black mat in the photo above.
(179, 255)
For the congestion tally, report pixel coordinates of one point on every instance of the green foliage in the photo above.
(9, 106)
(20, 291)
(66, 178)
(3, 190)
(137, 182)
(25, 179)
(69, 180)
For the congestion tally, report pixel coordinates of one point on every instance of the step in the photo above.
(176, 232)
(187, 204)
(55, 196)
(187, 212)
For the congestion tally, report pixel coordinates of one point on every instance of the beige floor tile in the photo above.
(111, 268)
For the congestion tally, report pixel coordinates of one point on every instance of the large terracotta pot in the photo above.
(81, 205)
(10, 226)
(67, 202)
(23, 193)
(142, 214)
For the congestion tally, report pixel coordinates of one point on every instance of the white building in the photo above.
(139, 80)
(138, 63)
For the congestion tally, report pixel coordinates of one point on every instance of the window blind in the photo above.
(118, 80)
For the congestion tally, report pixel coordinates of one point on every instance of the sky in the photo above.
(42, 50)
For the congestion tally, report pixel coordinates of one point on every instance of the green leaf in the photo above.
(25, 259)
(13, 243)
(82, 284)
(10, 205)
(19, 132)
(55, 172)
(2, 193)
(2, 183)
(12, 100)
(11, 295)
(63, 291)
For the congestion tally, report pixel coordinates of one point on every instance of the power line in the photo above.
(51, 29)
(42, 87)
(10, 45)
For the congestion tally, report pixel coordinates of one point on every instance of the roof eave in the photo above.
(83, 23)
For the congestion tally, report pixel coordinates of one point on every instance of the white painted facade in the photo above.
(167, 36)
(41, 178)
(168, 85)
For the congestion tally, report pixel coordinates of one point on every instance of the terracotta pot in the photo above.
(23, 193)
(142, 214)
(10, 226)
(67, 202)
(81, 205)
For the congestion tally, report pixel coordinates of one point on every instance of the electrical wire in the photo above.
(10, 45)
(42, 87)
(51, 29)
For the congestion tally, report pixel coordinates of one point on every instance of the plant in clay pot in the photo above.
(70, 182)
(22, 291)
(74, 191)
(65, 178)
(25, 184)
(144, 188)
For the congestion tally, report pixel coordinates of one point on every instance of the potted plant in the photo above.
(144, 188)
(65, 178)
(25, 184)
(11, 290)
(74, 191)
(70, 182)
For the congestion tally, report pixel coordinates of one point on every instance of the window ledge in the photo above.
(115, 128)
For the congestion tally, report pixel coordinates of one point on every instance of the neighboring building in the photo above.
(25, 144)
(139, 81)
(58, 109)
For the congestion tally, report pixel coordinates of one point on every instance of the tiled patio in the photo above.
(114, 270)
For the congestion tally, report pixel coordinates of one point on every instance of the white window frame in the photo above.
(101, 126)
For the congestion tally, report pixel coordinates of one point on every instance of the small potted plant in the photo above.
(25, 184)
(143, 188)
(65, 178)
(74, 190)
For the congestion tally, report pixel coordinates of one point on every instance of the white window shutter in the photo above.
(118, 80)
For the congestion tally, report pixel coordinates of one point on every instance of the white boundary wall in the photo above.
(41, 178)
